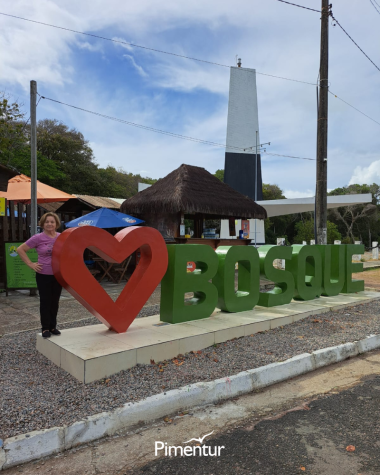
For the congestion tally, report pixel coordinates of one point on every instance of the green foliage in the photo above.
(305, 232)
(219, 174)
(48, 172)
(359, 220)
(272, 192)
(277, 226)
(65, 159)
(11, 129)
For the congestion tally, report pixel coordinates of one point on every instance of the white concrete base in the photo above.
(94, 352)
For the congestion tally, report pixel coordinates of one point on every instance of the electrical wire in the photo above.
(375, 7)
(134, 45)
(353, 107)
(365, 54)
(300, 6)
(289, 156)
(164, 132)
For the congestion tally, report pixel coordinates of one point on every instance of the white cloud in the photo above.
(366, 175)
(272, 37)
(139, 69)
(90, 47)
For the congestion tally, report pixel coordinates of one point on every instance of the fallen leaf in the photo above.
(163, 387)
(269, 353)
(316, 321)
(168, 420)
(350, 448)
(303, 468)
(108, 380)
(216, 360)
(161, 370)
(152, 362)
(199, 352)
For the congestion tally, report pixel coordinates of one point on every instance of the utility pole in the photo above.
(33, 156)
(321, 185)
(256, 188)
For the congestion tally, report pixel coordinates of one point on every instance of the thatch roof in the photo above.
(192, 190)
(99, 201)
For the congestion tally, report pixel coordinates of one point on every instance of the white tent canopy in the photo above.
(302, 205)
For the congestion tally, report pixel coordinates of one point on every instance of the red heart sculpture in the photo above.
(71, 272)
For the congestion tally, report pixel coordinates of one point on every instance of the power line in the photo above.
(289, 156)
(353, 107)
(375, 7)
(134, 45)
(300, 6)
(365, 54)
(164, 132)
(377, 3)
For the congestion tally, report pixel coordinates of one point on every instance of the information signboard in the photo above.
(18, 274)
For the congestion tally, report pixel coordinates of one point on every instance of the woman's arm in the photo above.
(21, 251)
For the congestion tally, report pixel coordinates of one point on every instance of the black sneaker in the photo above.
(46, 334)
(55, 332)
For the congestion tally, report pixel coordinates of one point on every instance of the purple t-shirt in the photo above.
(44, 247)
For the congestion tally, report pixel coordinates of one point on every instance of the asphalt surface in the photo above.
(313, 440)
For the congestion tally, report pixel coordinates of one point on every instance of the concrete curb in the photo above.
(27, 447)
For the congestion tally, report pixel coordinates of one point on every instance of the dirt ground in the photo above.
(370, 277)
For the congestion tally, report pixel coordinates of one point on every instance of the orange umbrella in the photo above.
(19, 189)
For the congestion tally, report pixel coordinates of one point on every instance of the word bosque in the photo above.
(310, 271)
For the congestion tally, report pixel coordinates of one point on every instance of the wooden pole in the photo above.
(321, 185)
(33, 156)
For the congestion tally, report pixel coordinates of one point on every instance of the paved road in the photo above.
(311, 440)
(300, 426)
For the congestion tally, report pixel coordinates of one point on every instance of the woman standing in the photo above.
(48, 287)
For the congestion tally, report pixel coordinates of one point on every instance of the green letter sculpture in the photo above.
(284, 282)
(247, 294)
(333, 275)
(306, 267)
(177, 281)
(352, 286)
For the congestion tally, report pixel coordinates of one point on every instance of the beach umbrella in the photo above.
(104, 218)
(19, 190)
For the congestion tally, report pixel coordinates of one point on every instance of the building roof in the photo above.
(99, 201)
(192, 190)
(51, 207)
(8, 171)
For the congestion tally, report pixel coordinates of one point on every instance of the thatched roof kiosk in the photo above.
(190, 192)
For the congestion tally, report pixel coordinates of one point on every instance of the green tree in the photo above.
(12, 131)
(272, 192)
(305, 232)
(219, 174)
(358, 220)
(277, 226)
(48, 171)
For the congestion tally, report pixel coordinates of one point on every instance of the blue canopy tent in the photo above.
(104, 218)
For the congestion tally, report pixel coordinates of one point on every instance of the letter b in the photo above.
(177, 282)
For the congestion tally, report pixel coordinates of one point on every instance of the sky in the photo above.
(191, 98)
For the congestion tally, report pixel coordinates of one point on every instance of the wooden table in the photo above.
(108, 266)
